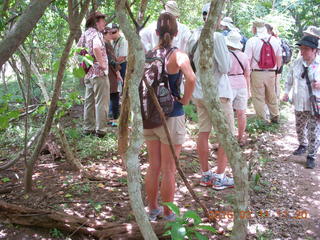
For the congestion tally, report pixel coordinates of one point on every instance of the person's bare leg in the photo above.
(168, 171)
(203, 150)
(153, 173)
(242, 122)
(222, 160)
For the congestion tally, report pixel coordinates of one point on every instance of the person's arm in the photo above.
(97, 51)
(247, 73)
(221, 53)
(183, 63)
(249, 50)
(279, 55)
(288, 84)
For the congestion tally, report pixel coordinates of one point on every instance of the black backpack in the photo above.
(286, 52)
(155, 77)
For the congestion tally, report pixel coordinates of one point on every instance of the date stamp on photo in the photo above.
(277, 213)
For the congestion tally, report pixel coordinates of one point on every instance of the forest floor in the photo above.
(284, 196)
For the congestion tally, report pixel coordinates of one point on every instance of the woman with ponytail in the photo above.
(161, 161)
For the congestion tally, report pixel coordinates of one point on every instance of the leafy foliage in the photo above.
(180, 228)
(7, 113)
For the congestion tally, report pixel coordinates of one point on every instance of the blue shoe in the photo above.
(170, 218)
(155, 213)
(223, 183)
(206, 180)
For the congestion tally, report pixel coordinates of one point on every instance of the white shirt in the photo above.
(300, 95)
(150, 39)
(253, 49)
(222, 61)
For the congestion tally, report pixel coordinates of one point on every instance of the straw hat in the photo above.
(227, 22)
(93, 17)
(234, 40)
(172, 7)
(312, 31)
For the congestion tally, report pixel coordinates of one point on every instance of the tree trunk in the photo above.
(22, 28)
(143, 7)
(212, 102)
(54, 100)
(136, 61)
(3, 76)
(13, 64)
(36, 72)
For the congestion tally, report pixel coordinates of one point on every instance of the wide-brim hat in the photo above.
(92, 18)
(233, 39)
(172, 7)
(309, 41)
(312, 31)
(227, 22)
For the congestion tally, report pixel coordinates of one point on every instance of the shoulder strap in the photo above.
(241, 65)
(306, 75)
(116, 43)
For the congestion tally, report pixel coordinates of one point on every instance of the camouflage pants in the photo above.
(308, 131)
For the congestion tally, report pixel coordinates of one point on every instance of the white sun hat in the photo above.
(312, 31)
(172, 7)
(234, 40)
(206, 8)
(227, 22)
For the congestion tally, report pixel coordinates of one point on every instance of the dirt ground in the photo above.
(284, 200)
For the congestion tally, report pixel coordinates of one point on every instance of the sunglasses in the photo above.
(113, 32)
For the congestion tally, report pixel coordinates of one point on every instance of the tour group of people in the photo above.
(244, 68)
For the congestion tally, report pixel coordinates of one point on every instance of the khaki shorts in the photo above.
(240, 98)
(177, 131)
(204, 119)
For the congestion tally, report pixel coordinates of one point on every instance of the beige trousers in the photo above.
(96, 105)
(263, 90)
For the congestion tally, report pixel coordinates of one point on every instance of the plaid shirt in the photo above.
(90, 39)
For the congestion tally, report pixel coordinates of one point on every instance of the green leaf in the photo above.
(178, 232)
(207, 228)
(5, 179)
(193, 215)
(199, 236)
(79, 72)
(174, 208)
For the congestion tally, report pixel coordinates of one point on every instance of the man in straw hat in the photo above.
(303, 69)
(239, 76)
(215, 179)
(149, 36)
(263, 79)
(96, 80)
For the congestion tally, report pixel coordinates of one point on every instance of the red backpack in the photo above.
(267, 56)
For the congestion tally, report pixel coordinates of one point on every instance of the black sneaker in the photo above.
(310, 163)
(275, 120)
(300, 150)
(89, 132)
(100, 134)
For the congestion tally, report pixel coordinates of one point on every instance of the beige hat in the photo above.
(262, 31)
(312, 31)
(227, 22)
(172, 7)
(234, 40)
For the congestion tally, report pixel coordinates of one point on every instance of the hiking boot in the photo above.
(223, 183)
(89, 132)
(100, 134)
(206, 180)
(275, 120)
(310, 163)
(155, 213)
(300, 150)
(170, 218)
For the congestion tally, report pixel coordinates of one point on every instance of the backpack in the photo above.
(286, 52)
(155, 79)
(267, 56)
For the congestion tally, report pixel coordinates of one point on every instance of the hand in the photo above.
(103, 66)
(285, 98)
(183, 101)
(316, 85)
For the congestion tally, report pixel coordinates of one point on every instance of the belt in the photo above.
(264, 70)
(240, 74)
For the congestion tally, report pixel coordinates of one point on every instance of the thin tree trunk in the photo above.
(13, 65)
(218, 119)
(49, 119)
(3, 76)
(36, 72)
(22, 28)
(136, 61)
(143, 7)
